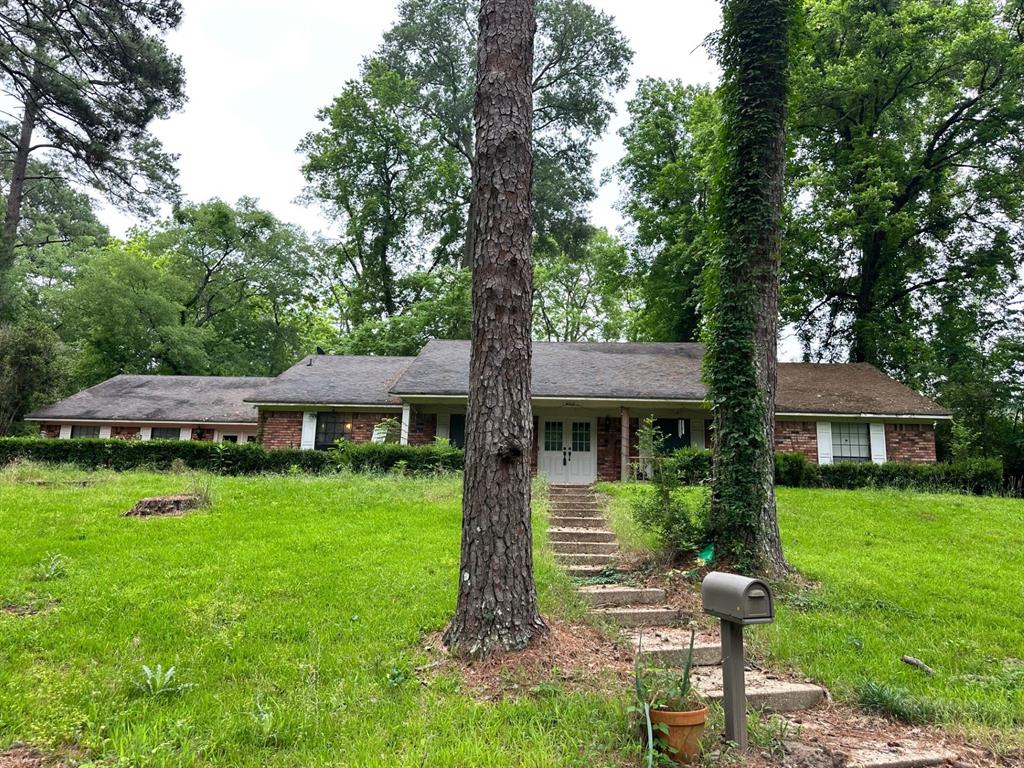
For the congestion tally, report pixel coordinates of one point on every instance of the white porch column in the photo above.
(824, 442)
(624, 445)
(406, 418)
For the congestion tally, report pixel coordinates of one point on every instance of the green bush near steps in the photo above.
(229, 458)
(976, 476)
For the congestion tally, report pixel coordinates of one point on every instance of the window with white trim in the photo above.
(332, 426)
(851, 441)
(165, 433)
(81, 431)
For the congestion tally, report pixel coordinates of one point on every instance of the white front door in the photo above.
(567, 450)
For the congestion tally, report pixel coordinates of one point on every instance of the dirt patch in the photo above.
(574, 657)
(12, 609)
(21, 756)
(165, 505)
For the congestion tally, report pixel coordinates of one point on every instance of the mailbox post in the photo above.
(737, 601)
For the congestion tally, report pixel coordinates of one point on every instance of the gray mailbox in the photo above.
(737, 601)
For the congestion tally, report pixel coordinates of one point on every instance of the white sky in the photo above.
(258, 71)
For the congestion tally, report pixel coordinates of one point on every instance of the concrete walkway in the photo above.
(582, 542)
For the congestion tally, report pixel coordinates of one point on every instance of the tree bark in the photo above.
(497, 600)
(742, 350)
(12, 218)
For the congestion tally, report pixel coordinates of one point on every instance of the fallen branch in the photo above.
(918, 663)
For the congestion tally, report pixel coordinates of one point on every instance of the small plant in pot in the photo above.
(674, 712)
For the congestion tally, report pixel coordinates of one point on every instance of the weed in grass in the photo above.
(52, 566)
(398, 676)
(201, 487)
(157, 681)
(770, 733)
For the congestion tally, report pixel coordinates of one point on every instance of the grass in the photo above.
(936, 577)
(281, 627)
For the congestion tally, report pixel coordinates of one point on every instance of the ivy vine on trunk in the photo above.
(743, 280)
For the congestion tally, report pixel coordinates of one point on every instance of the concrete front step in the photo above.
(557, 521)
(584, 547)
(618, 596)
(861, 751)
(580, 534)
(640, 616)
(668, 646)
(575, 511)
(764, 691)
(588, 571)
(584, 559)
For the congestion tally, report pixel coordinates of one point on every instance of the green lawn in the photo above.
(937, 577)
(294, 613)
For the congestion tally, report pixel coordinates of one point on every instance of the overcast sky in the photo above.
(258, 71)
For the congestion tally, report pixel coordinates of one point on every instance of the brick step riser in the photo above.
(622, 597)
(581, 534)
(584, 547)
(577, 522)
(648, 618)
(674, 658)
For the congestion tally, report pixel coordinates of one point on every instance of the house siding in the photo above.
(609, 446)
(797, 437)
(422, 428)
(914, 443)
(363, 425)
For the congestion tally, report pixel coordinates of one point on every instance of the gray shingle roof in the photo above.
(335, 380)
(595, 370)
(187, 399)
(666, 371)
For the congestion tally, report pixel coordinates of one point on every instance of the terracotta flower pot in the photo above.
(684, 732)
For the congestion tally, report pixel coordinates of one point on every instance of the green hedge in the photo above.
(228, 458)
(977, 476)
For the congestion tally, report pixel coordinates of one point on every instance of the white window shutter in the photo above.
(877, 430)
(65, 431)
(146, 433)
(406, 418)
(697, 433)
(105, 432)
(824, 442)
(308, 440)
(185, 433)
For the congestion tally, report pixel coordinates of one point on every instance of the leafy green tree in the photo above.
(28, 371)
(580, 295)
(379, 173)
(667, 173)
(740, 367)
(908, 167)
(581, 62)
(89, 79)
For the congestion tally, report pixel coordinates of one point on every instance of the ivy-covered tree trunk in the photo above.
(497, 601)
(741, 364)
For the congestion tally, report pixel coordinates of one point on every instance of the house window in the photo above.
(165, 433)
(250, 439)
(581, 436)
(851, 442)
(77, 431)
(676, 433)
(553, 436)
(331, 427)
(457, 430)
(230, 438)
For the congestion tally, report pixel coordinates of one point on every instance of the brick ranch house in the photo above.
(588, 401)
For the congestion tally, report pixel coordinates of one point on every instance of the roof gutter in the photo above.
(126, 420)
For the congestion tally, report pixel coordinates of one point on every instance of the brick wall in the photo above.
(49, 430)
(363, 424)
(203, 434)
(124, 433)
(609, 446)
(910, 442)
(422, 428)
(797, 437)
(280, 429)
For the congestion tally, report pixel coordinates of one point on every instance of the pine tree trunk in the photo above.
(742, 351)
(497, 601)
(12, 218)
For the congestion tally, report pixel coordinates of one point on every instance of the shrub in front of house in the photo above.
(976, 476)
(228, 458)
